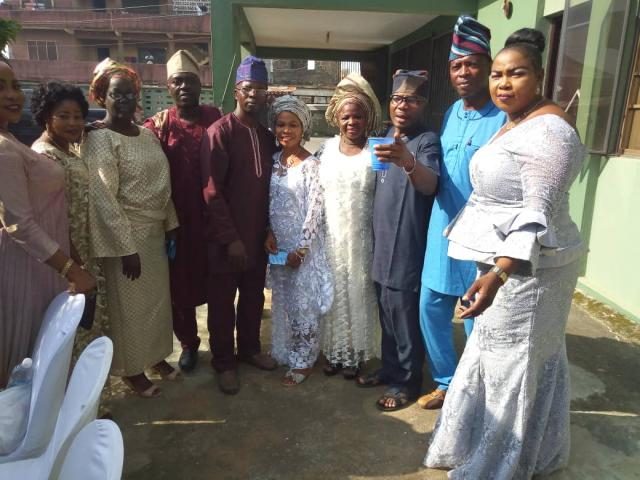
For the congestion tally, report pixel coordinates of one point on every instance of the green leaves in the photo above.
(8, 32)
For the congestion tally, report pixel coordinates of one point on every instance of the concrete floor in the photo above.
(327, 428)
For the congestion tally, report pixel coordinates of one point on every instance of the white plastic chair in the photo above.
(79, 407)
(51, 359)
(97, 453)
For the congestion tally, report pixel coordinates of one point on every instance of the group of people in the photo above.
(194, 207)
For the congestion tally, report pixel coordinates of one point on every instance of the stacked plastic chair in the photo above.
(51, 360)
(63, 419)
(97, 453)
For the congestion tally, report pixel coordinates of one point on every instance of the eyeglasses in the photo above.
(122, 96)
(411, 100)
(246, 91)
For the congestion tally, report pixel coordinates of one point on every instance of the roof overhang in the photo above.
(330, 29)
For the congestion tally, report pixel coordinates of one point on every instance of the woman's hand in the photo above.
(294, 259)
(481, 294)
(80, 281)
(271, 244)
(131, 267)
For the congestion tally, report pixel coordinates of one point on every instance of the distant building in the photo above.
(64, 39)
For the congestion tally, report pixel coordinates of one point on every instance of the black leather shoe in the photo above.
(188, 360)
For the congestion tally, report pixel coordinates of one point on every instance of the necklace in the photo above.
(513, 123)
(291, 159)
(53, 142)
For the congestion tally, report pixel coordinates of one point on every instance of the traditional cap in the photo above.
(252, 69)
(469, 37)
(289, 103)
(413, 82)
(182, 62)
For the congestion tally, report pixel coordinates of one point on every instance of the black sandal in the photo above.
(401, 397)
(370, 380)
(331, 369)
(350, 373)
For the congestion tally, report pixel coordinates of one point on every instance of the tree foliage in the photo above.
(8, 32)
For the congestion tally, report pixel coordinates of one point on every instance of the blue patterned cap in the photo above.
(469, 37)
(252, 69)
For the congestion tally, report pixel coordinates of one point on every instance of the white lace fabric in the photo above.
(351, 328)
(299, 296)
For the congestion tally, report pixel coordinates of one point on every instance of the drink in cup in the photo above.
(376, 164)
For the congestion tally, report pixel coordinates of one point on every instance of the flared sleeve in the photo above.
(548, 160)
(109, 226)
(314, 203)
(16, 215)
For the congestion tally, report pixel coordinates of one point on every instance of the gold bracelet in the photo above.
(66, 268)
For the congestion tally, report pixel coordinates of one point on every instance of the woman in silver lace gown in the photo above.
(302, 289)
(506, 415)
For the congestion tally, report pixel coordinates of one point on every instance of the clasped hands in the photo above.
(294, 259)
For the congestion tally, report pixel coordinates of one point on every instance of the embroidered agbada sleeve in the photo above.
(314, 203)
(109, 227)
(545, 173)
(214, 164)
(171, 222)
(16, 215)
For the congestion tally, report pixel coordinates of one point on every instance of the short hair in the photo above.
(47, 96)
(530, 42)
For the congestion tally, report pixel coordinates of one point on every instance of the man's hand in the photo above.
(237, 254)
(396, 153)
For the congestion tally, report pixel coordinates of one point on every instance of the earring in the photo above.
(277, 143)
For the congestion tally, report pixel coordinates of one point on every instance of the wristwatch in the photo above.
(502, 275)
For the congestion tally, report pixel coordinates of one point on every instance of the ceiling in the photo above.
(330, 29)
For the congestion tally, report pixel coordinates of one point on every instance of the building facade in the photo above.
(65, 39)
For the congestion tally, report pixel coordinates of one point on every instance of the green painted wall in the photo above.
(525, 14)
(613, 262)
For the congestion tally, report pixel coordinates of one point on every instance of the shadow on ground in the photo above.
(329, 429)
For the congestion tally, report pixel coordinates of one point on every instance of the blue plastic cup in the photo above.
(376, 164)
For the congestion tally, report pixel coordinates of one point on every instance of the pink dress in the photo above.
(33, 226)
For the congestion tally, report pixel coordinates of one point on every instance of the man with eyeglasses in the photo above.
(180, 130)
(401, 208)
(236, 170)
(468, 124)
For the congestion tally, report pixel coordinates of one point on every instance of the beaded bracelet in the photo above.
(65, 269)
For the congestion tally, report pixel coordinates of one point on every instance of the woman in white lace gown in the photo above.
(351, 327)
(506, 415)
(302, 288)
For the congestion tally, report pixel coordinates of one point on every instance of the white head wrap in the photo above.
(289, 103)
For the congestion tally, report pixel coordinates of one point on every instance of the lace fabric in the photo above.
(351, 328)
(299, 296)
(506, 414)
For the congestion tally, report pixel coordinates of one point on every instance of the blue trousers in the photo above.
(436, 314)
(402, 348)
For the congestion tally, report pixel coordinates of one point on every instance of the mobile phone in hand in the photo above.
(465, 303)
(279, 258)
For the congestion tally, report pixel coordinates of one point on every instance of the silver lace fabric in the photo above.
(506, 414)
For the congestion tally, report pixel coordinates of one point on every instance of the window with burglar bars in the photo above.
(630, 139)
(42, 50)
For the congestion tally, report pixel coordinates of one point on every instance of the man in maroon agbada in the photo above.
(180, 130)
(236, 168)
